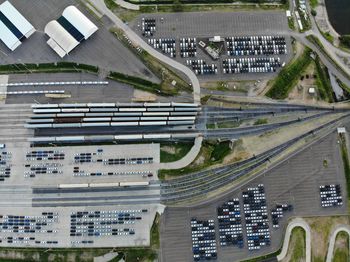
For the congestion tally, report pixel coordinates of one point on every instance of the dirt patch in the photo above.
(321, 227)
(169, 149)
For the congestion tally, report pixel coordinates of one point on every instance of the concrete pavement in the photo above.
(297, 222)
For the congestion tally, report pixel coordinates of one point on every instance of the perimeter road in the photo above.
(297, 222)
(100, 5)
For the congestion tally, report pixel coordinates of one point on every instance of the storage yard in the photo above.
(75, 197)
(286, 187)
(221, 45)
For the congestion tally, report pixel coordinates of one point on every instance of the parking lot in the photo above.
(295, 182)
(81, 164)
(77, 227)
(102, 50)
(70, 196)
(179, 36)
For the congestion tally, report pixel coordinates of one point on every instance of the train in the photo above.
(99, 185)
(120, 105)
(109, 138)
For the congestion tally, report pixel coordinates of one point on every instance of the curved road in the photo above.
(339, 228)
(296, 222)
(187, 159)
(100, 5)
(299, 222)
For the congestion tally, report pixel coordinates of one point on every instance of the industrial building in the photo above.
(68, 31)
(14, 27)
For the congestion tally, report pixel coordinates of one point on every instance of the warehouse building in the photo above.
(68, 31)
(14, 28)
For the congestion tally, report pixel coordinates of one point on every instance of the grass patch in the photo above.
(229, 124)
(323, 82)
(289, 76)
(346, 164)
(74, 254)
(58, 67)
(261, 121)
(162, 71)
(328, 36)
(155, 240)
(175, 151)
(313, 3)
(137, 82)
(298, 249)
(211, 153)
(313, 39)
(291, 23)
(341, 253)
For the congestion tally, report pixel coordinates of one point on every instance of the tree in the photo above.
(177, 6)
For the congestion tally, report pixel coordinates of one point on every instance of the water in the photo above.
(339, 15)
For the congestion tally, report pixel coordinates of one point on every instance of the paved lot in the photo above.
(19, 160)
(20, 195)
(113, 92)
(102, 49)
(209, 24)
(294, 182)
(62, 226)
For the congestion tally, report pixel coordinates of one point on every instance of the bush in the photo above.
(288, 76)
(345, 40)
(313, 12)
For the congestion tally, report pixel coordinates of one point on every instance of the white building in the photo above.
(14, 27)
(68, 31)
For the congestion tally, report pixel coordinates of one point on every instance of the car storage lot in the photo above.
(294, 182)
(99, 221)
(210, 24)
(35, 213)
(25, 161)
(102, 49)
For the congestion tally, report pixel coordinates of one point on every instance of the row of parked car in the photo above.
(203, 240)
(188, 47)
(256, 217)
(331, 195)
(277, 213)
(21, 224)
(230, 223)
(166, 45)
(200, 67)
(256, 45)
(251, 65)
(5, 164)
(104, 223)
(45, 155)
(148, 26)
(78, 172)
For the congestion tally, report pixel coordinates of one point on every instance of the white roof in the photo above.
(9, 39)
(79, 21)
(61, 37)
(18, 20)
